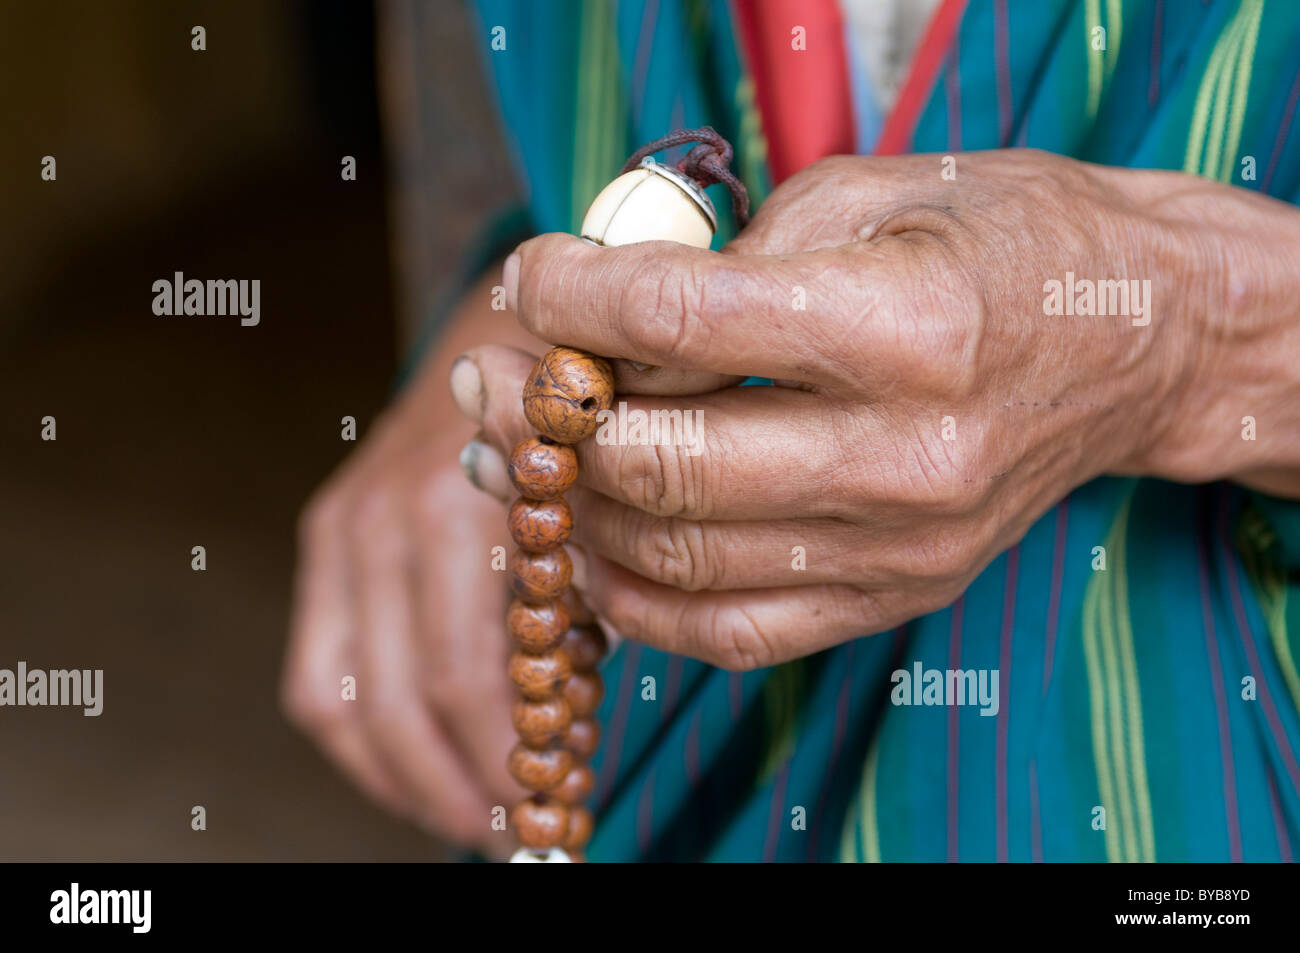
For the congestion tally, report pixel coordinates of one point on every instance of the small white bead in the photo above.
(553, 856)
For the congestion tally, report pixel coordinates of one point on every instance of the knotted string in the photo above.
(706, 164)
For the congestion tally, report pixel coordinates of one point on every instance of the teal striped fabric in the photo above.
(1159, 694)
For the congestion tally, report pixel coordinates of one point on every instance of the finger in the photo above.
(398, 724)
(666, 304)
(738, 630)
(695, 555)
(631, 377)
(319, 657)
(696, 457)
(461, 632)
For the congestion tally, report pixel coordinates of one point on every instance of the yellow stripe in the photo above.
(1096, 58)
(1097, 709)
(1196, 134)
(1245, 69)
(1115, 704)
(1132, 692)
(1222, 96)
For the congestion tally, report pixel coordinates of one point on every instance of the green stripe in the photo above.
(1096, 58)
(1245, 68)
(1196, 136)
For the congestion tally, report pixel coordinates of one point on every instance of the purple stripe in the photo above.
(776, 814)
(1220, 700)
(672, 682)
(1279, 822)
(1004, 692)
(1283, 131)
(952, 89)
(645, 40)
(1035, 821)
(1054, 599)
(1157, 27)
(618, 726)
(954, 661)
(645, 809)
(837, 740)
(1001, 41)
(1275, 728)
(692, 753)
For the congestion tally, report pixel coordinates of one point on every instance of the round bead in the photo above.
(539, 769)
(540, 577)
(565, 392)
(537, 628)
(584, 737)
(585, 646)
(581, 825)
(653, 202)
(540, 525)
(542, 469)
(584, 691)
(542, 723)
(579, 614)
(576, 786)
(539, 677)
(540, 823)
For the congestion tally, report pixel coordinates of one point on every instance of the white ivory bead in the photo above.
(553, 856)
(643, 206)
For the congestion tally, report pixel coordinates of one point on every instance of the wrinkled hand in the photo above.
(929, 411)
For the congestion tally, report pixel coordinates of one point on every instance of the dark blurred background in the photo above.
(185, 431)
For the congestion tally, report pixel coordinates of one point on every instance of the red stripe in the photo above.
(803, 94)
(1004, 692)
(1283, 131)
(896, 137)
(1054, 600)
(1153, 91)
(1001, 42)
(954, 736)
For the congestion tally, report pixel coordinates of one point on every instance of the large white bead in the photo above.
(553, 856)
(648, 204)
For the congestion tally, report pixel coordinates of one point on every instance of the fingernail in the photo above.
(485, 468)
(467, 388)
(637, 365)
(579, 560)
(510, 280)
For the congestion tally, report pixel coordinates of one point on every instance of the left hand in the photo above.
(930, 411)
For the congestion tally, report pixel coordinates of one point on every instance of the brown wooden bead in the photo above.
(540, 577)
(540, 525)
(540, 823)
(579, 614)
(539, 676)
(542, 723)
(581, 825)
(584, 691)
(576, 786)
(539, 769)
(565, 392)
(537, 628)
(541, 469)
(585, 646)
(584, 737)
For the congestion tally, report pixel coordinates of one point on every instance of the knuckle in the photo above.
(677, 554)
(738, 643)
(320, 518)
(381, 713)
(307, 707)
(663, 480)
(947, 557)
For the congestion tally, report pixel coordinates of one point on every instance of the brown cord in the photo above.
(706, 164)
